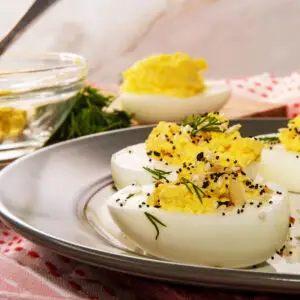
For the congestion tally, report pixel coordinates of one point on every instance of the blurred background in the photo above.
(238, 38)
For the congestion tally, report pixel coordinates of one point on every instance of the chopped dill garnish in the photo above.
(157, 174)
(155, 222)
(202, 123)
(198, 191)
(129, 196)
(113, 186)
(269, 139)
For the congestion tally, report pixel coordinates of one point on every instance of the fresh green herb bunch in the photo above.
(88, 116)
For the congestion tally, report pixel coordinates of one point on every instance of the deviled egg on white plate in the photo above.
(171, 147)
(170, 87)
(220, 218)
(280, 159)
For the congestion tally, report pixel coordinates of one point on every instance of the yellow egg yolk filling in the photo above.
(290, 136)
(175, 75)
(203, 190)
(176, 145)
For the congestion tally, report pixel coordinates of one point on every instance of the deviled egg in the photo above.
(171, 146)
(280, 159)
(170, 87)
(210, 215)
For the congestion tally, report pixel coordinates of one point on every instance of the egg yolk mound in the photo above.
(290, 136)
(204, 188)
(12, 122)
(210, 134)
(175, 75)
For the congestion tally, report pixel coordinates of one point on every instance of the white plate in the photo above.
(44, 196)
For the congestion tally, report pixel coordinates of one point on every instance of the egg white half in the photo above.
(150, 109)
(127, 167)
(234, 240)
(281, 166)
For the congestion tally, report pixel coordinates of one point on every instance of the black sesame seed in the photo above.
(290, 252)
(297, 156)
(223, 214)
(143, 203)
(243, 173)
(173, 147)
(129, 151)
(235, 161)
(228, 159)
(200, 156)
(117, 200)
(217, 157)
(205, 184)
(270, 202)
(226, 185)
(272, 257)
(290, 225)
(156, 153)
(148, 205)
(157, 206)
(148, 194)
(279, 193)
(121, 204)
(140, 206)
(212, 190)
(238, 211)
(242, 211)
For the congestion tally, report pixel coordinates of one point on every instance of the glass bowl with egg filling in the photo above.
(37, 91)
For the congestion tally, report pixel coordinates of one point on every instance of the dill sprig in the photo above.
(198, 191)
(202, 123)
(157, 174)
(155, 222)
(269, 139)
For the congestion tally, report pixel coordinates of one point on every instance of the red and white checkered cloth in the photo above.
(270, 88)
(31, 272)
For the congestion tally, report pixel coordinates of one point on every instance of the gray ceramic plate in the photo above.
(44, 194)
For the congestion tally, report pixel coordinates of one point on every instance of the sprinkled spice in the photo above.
(156, 153)
(297, 156)
(205, 184)
(129, 151)
(223, 214)
(270, 202)
(279, 193)
(200, 156)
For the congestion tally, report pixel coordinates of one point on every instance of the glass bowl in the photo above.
(36, 94)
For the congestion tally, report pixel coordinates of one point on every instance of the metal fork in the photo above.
(34, 11)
